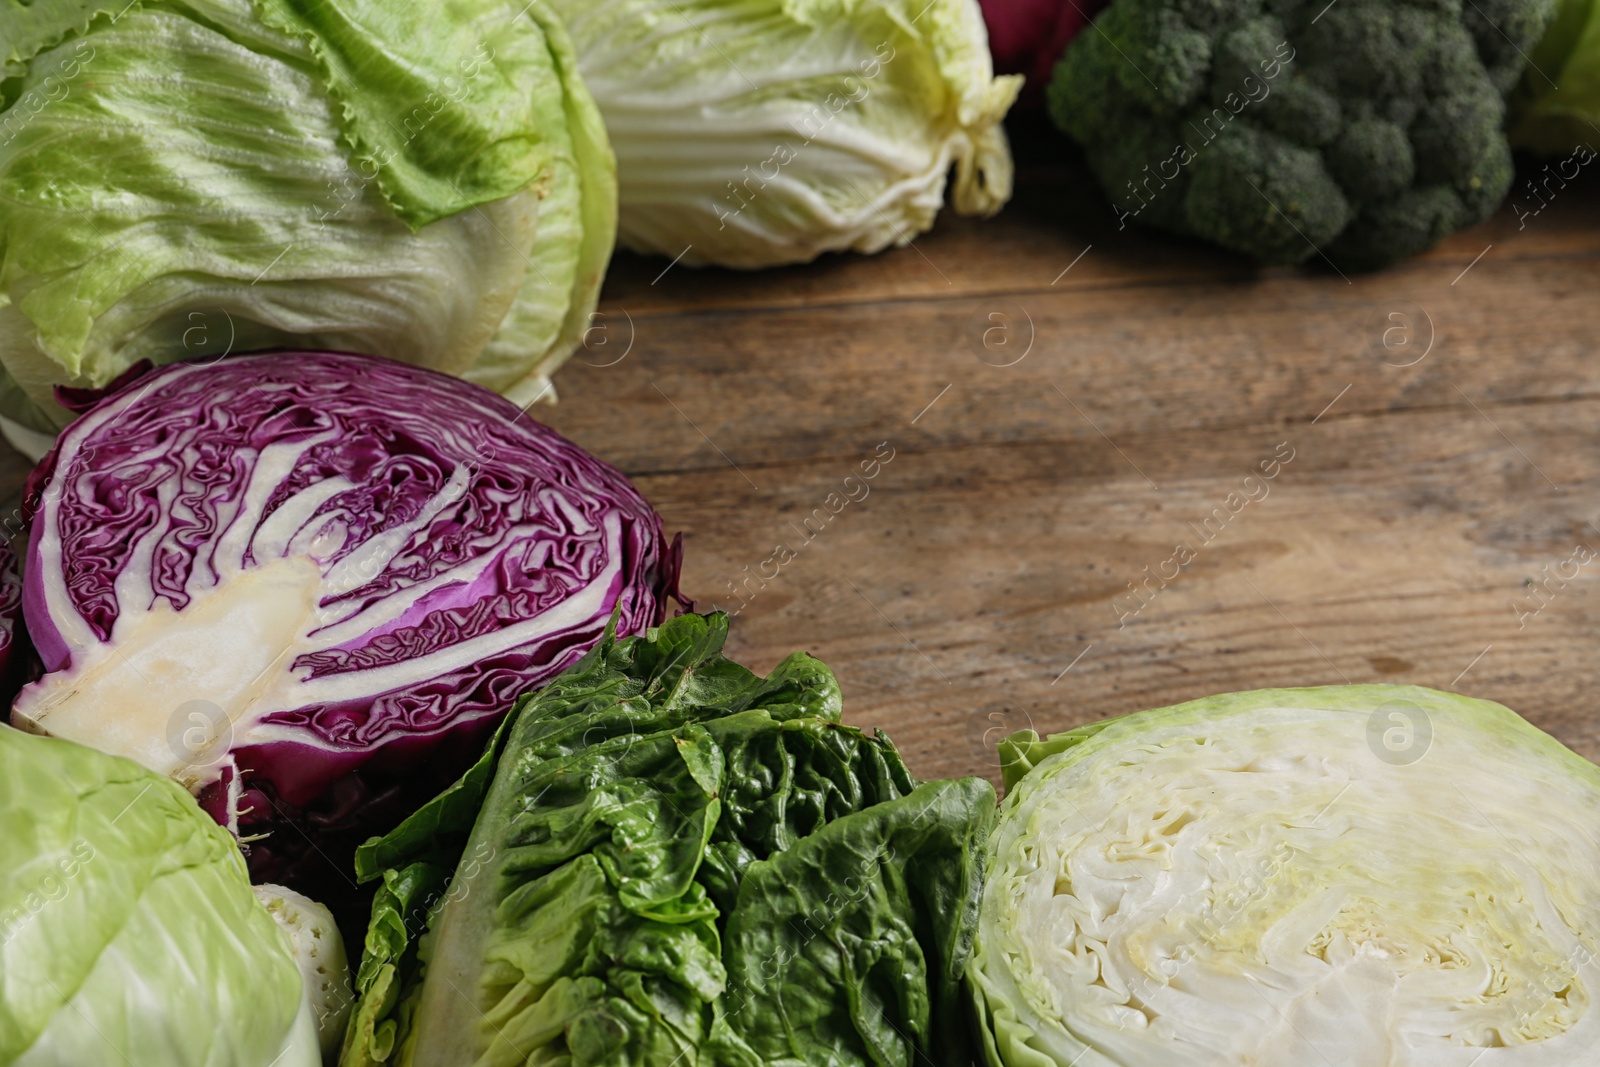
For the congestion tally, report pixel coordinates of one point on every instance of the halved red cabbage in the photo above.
(307, 585)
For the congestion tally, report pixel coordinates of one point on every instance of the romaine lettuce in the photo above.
(663, 858)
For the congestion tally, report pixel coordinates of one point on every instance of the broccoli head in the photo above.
(1365, 130)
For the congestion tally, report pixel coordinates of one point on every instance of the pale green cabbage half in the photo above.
(129, 934)
(183, 178)
(751, 133)
(1363, 876)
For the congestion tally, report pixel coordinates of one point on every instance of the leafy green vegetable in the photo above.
(1347, 875)
(372, 54)
(761, 132)
(661, 857)
(1556, 107)
(428, 182)
(1363, 131)
(128, 929)
(899, 885)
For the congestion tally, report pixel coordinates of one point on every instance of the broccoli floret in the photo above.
(1363, 130)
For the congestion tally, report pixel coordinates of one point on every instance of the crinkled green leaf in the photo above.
(432, 93)
(28, 28)
(850, 946)
(785, 783)
(633, 813)
(607, 765)
(631, 800)
(569, 964)
(400, 911)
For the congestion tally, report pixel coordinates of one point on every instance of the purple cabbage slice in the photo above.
(309, 585)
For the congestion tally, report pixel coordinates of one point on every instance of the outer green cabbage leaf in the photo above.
(349, 176)
(1556, 107)
(554, 309)
(1373, 875)
(128, 929)
(631, 802)
(751, 133)
(435, 160)
(27, 28)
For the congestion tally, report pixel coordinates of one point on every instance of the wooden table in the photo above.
(1065, 404)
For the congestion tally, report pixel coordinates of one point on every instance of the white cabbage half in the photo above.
(751, 133)
(1352, 876)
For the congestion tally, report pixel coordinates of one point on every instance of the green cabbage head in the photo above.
(1359, 876)
(183, 178)
(751, 133)
(129, 934)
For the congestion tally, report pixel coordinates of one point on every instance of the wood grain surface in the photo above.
(1443, 417)
(1068, 407)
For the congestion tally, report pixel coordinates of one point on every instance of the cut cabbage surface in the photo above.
(1353, 876)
